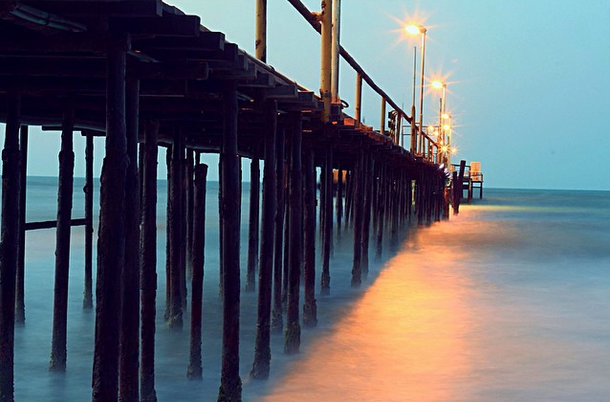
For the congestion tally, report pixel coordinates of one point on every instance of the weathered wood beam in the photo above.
(62, 249)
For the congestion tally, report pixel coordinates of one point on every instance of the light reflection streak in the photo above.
(404, 340)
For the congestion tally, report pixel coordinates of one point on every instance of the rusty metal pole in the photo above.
(111, 235)
(148, 261)
(230, 382)
(62, 249)
(8, 246)
(358, 105)
(326, 19)
(335, 52)
(20, 277)
(261, 31)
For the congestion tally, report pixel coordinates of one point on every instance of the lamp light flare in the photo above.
(438, 84)
(445, 116)
(415, 29)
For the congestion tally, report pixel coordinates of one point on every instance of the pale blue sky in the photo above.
(529, 81)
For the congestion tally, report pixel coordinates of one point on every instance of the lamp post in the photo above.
(441, 112)
(414, 30)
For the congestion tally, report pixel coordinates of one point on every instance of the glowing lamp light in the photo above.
(444, 148)
(431, 129)
(447, 127)
(445, 116)
(415, 29)
(437, 85)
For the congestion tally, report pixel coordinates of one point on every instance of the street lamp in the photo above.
(419, 30)
(441, 112)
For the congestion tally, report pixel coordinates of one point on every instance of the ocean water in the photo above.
(508, 301)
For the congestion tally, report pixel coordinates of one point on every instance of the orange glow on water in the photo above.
(409, 325)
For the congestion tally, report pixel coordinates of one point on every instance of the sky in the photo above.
(528, 81)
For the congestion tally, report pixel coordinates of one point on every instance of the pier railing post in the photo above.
(88, 291)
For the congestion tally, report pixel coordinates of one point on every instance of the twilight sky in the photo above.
(528, 81)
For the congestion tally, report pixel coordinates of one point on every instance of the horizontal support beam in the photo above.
(52, 224)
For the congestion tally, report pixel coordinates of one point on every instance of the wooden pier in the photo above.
(141, 73)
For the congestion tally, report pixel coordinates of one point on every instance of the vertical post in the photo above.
(20, 277)
(358, 106)
(326, 57)
(175, 236)
(328, 220)
(230, 383)
(62, 248)
(260, 43)
(262, 351)
(195, 370)
(189, 205)
(254, 224)
(366, 218)
(148, 261)
(381, 205)
(8, 244)
(293, 328)
(335, 52)
(277, 319)
(111, 235)
(339, 200)
(88, 291)
(310, 316)
(358, 208)
(413, 132)
(129, 351)
(382, 121)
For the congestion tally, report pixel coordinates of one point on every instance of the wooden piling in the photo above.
(148, 261)
(175, 220)
(310, 315)
(129, 348)
(195, 369)
(339, 204)
(380, 209)
(168, 236)
(111, 236)
(293, 328)
(327, 205)
(20, 276)
(277, 323)
(366, 217)
(262, 349)
(253, 226)
(8, 244)
(230, 383)
(358, 211)
(88, 290)
(62, 248)
(189, 171)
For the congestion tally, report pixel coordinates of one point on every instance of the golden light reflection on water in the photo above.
(404, 340)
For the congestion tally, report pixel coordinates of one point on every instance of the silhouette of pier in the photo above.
(144, 75)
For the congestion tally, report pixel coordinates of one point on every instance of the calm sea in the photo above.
(506, 302)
